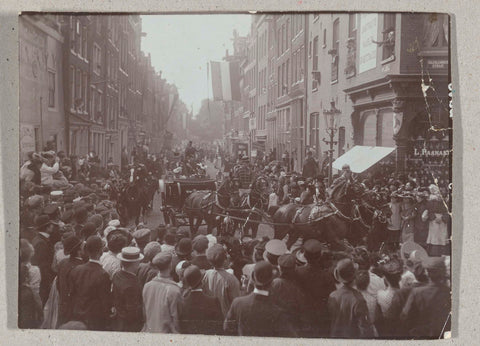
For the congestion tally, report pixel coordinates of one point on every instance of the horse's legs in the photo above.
(198, 223)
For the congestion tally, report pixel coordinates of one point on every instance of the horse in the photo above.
(212, 206)
(332, 221)
(136, 196)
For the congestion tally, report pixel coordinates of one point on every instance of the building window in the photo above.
(350, 68)
(335, 50)
(341, 141)
(302, 62)
(84, 92)
(92, 102)
(324, 38)
(287, 66)
(84, 42)
(315, 53)
(72, 88)
(97, 59)
(78, 89)
(51, 89)
(388, 32)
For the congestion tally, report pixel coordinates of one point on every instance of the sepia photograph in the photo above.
(267, 174)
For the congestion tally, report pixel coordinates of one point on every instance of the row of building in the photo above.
(86, 85)
(385, 75)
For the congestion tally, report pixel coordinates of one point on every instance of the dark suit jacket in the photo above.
(65, 306)
(200, 314)
(43, 258)
(128, 302)
(201, 262)
(91, 295)
(257, 315)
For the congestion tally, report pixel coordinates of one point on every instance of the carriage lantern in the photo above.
(331, 120)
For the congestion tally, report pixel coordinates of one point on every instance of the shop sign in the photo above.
(368, 34)
(426, 152)
(437, 64)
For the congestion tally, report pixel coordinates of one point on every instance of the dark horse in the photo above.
(136, 197)
(342, 217)
(246, 211)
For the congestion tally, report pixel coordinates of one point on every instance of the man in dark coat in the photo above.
(257, 314)
(43, 256)
(127, 292)
(310, 167)
(199, 313)
(347, 307)
(72, 248)
(91, 297)
(317, 283)
(427, 310)
(287, 293)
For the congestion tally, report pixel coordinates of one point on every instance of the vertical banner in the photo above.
(368, 49)
(225, 81)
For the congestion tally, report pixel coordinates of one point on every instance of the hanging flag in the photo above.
(225, 80)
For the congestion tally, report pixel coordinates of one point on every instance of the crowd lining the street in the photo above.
(80, 268)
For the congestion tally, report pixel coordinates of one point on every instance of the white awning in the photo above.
(360, 158)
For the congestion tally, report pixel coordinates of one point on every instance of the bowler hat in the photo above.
(345, 270)
(192, 276)
(94, 244)
(130, 254)
(34, 201)
(184, 247)
(262, 273)
(71, 243)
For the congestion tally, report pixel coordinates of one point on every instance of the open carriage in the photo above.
(173, 194)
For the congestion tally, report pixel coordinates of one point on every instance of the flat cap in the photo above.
(216, 254)
(287, 261)
(141, 234)
(114, 223)
(88, 229)
(34, 201)
(313, 246)
(276, 247)
(200, 243)
(51, 209)
(151, 250)
(162, 260)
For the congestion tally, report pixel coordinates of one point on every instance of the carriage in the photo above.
(173, 194)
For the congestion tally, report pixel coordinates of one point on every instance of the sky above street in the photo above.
(182, 45)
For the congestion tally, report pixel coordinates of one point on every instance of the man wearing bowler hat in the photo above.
(183, 252)
(90, 294)
(127, 292)
(161, 298)
(43, 256)
(347, 307)
(257, 314)
(199, 313)
(287, 293)
(72, 247)
(317, 282)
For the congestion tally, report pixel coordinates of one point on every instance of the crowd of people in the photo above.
(80, 268)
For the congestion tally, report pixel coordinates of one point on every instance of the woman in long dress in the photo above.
(438, 218)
